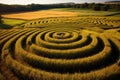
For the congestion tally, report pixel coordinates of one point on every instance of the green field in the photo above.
(10, 23)
(87, 12)
(81, 46)
(13, 22)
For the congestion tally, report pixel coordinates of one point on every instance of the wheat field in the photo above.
(40, 14)
(62, 48)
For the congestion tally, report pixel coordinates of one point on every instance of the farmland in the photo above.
(40, 14)
(60, 44)
(61, 12)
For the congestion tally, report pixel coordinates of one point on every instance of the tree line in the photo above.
(4, 8)
(99, 6)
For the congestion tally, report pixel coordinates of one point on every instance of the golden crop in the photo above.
(61, 53)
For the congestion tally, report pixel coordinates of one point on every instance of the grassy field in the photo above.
(86, 12)
(67, 44)
(10, 23)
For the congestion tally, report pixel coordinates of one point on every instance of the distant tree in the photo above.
(91, 5)
(96, 7)
(82, 6)
(0, 18)
(104, 8)
(117, 7)
(78, 5)
(86, 5)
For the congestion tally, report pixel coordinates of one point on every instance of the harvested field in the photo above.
(40, 14)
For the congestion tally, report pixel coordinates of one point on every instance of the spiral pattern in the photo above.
(60, 54)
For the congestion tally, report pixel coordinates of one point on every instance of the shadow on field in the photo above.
(5, 26)
(114, 14)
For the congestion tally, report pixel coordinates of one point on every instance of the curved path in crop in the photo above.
(60, 54)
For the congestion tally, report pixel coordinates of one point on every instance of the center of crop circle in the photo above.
(61, 34)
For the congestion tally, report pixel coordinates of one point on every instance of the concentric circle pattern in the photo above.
(60, 54)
